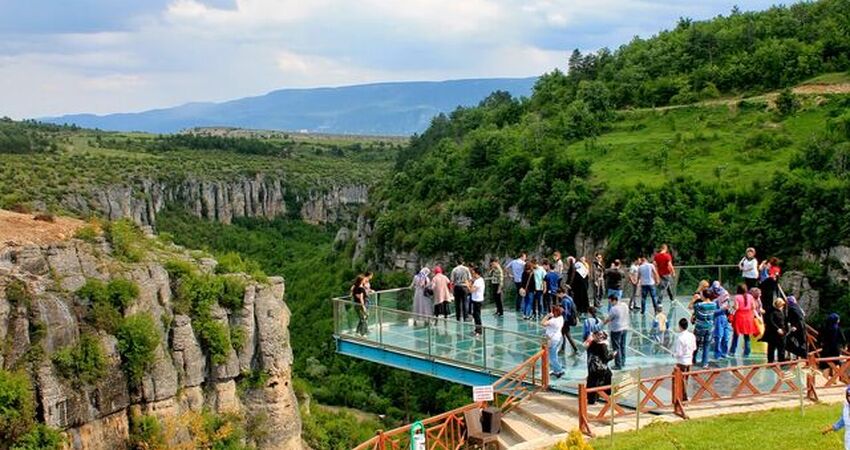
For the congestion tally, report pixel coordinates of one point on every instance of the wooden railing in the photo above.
(819, 373)
(448, 430)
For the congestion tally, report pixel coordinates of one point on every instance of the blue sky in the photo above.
(64, 56)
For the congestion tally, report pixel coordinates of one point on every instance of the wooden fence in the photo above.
(670, 393)
(447, 431)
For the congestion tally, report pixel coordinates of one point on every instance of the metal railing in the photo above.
(494, 351)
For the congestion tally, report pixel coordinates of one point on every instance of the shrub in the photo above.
(200, 292)
(233, 295)
(250, 380)
(215, 338)
(17, 294)
(126, 239)
(87, 233)
(787, 103)
(84, 363)
(178, 268)
(237, 337)
(17, 406)
(137, 341)
(40, 437)
(104, 316)
(94, 291)
(122, 292)
(232, 262)
(146, 433)
(574, 441)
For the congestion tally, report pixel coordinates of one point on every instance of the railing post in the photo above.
(583, 424)
(545, 367)
(429, 330)
(380, 325)
(679, 393)
(811, 387)
(484, 346)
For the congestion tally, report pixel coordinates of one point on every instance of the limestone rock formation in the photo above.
(259, 196)
(182, 379)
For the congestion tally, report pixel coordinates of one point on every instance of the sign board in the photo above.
(418, 442)
(482, 393)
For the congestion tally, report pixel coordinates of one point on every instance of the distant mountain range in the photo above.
(398, 108)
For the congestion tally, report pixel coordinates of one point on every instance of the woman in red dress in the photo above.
(743, 320)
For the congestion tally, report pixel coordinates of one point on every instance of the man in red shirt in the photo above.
(664, 265)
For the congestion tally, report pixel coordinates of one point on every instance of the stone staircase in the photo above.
(539, 422)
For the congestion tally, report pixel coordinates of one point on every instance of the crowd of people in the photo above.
(563, 293)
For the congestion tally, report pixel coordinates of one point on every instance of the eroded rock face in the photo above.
(259, 196)
(181, 380)
(797, 284)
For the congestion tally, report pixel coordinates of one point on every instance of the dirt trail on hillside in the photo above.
(806, 89)
(22, 229)
(814, 89)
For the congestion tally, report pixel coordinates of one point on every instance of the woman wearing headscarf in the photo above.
(579, 272)
(776, 331)
(598, 356)
(440, 287)
(843, 421)
(831, 338)
(796, 343)
(422, 304)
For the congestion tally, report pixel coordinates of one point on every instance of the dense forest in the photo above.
(740, 53)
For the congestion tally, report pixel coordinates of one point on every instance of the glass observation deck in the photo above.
(448, 349)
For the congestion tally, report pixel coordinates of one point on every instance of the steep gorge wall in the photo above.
(222, 201)
(182, 379)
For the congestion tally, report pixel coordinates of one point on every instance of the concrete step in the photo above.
(525, 429)
(507, 439)
(556, 421)
(562, 402)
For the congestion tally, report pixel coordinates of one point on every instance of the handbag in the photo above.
(759, 326)
(522, 292)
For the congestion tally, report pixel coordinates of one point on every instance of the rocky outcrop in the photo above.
(797, 284)
(182, 380)
(259, 196)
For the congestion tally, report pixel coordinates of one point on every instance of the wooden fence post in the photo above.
(545, 366)
(583, 424)
(679, 393)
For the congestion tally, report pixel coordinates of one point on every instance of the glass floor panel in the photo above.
(508, 341)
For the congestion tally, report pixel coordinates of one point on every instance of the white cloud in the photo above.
(245, 13)
(188, 50)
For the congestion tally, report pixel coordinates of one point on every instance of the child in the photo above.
(591, 324)
(843, 421)
(659, 327)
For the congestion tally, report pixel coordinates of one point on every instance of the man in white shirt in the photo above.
(683, 350)
(477, 298)
(648, 278)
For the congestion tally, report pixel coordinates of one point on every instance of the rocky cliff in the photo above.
(181, 381)
(259, 196)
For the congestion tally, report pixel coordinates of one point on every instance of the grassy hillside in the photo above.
(727, 143)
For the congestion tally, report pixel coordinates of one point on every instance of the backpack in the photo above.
(570, 313)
